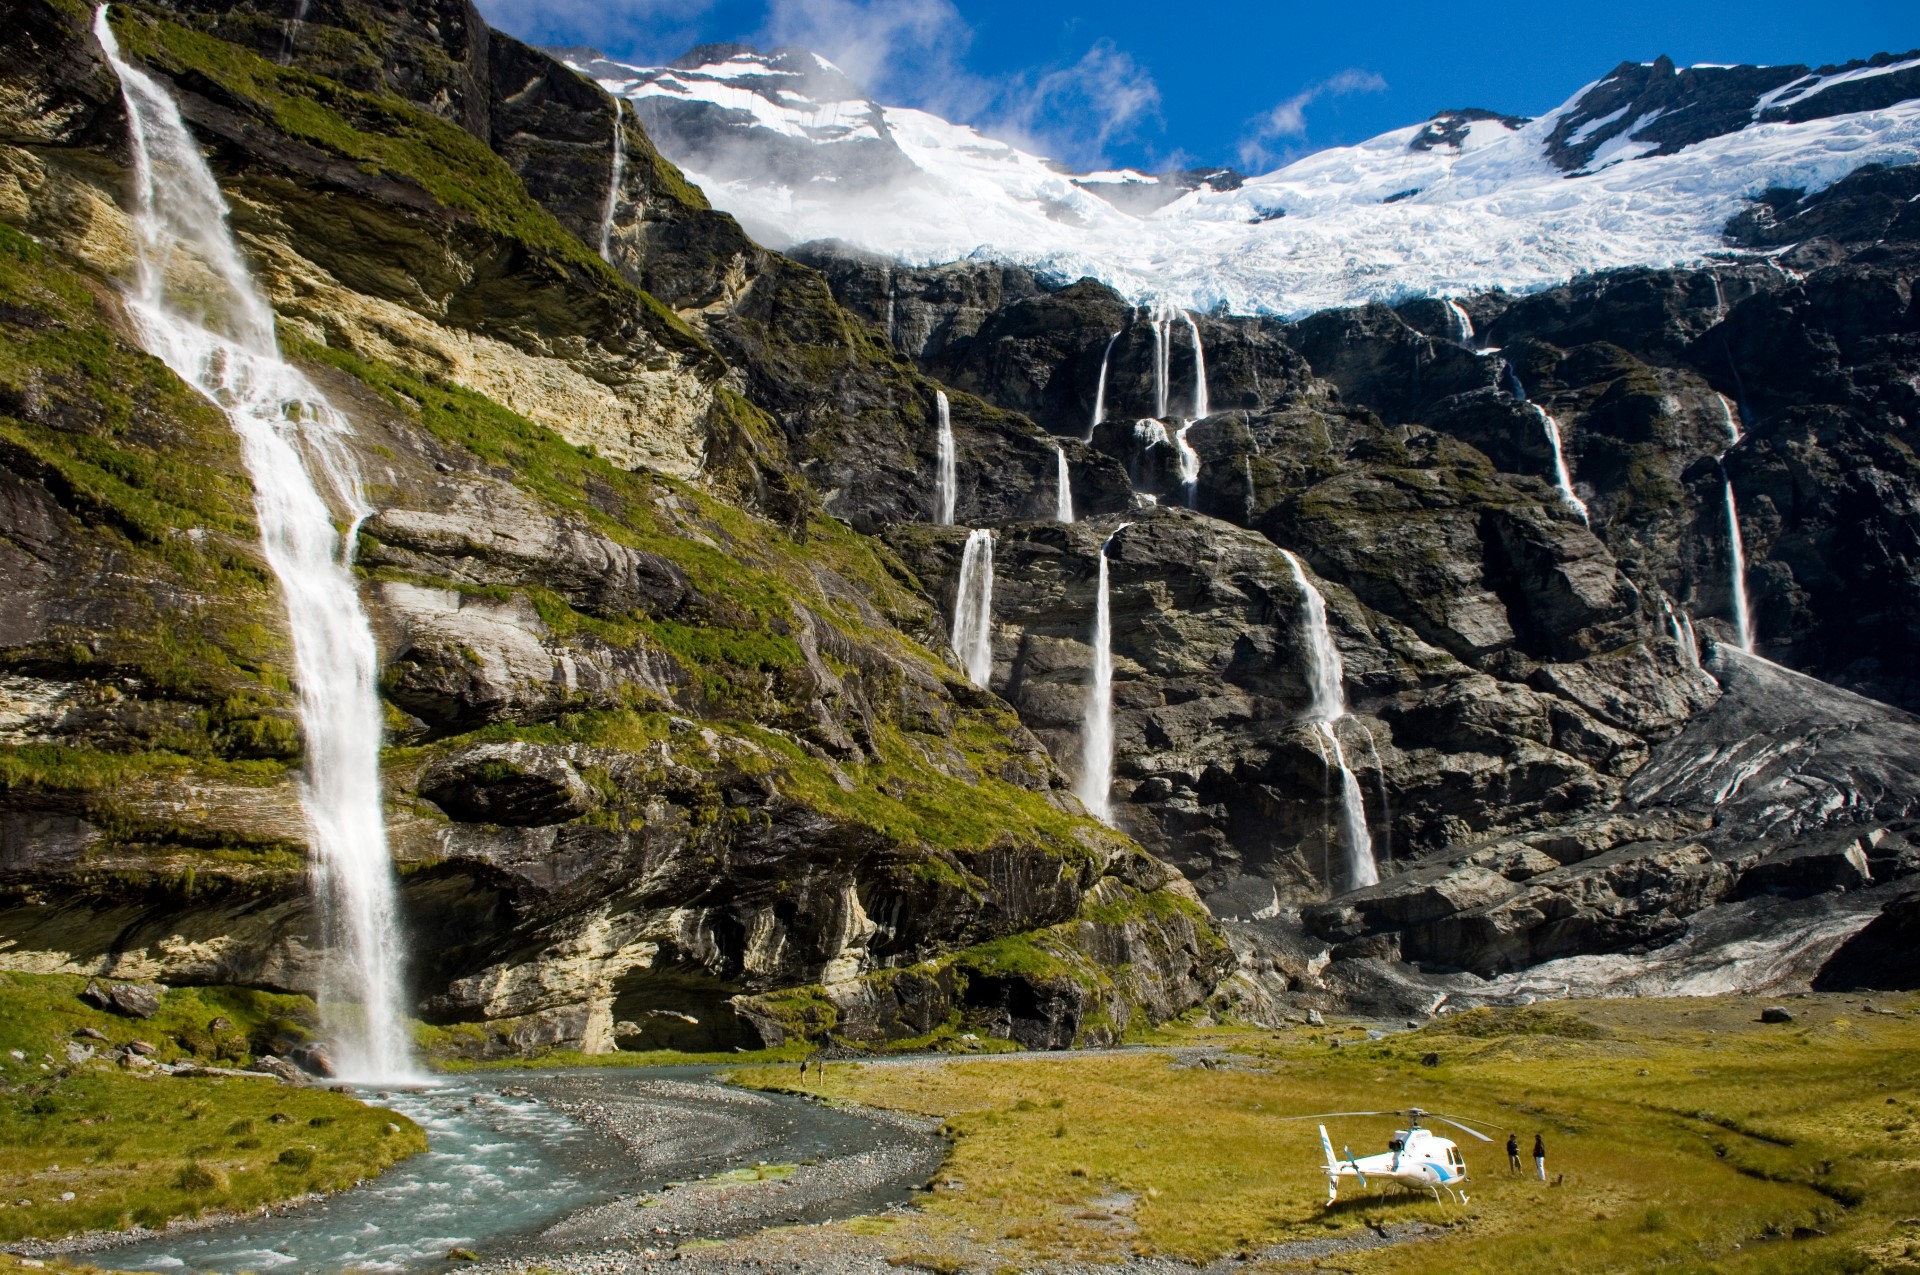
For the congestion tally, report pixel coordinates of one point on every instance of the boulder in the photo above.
(133, 1000)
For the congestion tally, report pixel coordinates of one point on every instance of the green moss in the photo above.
(135, 1149)
(386, 136)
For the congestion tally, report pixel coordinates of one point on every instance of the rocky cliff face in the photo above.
(1524, 680)
(670, 761)
(678, 755)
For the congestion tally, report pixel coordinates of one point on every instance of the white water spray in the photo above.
(1189, 460)
(613, 181)
(1100, 394)
(973, 609)
(1095, 786)
(1062, 485)
(1328, 706)
(1737, 552)
(946, 480)
(287, 430)
(1201, 406)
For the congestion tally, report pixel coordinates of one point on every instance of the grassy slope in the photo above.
(144, 1149)
(1690, 1138)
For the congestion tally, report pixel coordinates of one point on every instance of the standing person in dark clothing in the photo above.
(1540, 1156)
(1513, 1153)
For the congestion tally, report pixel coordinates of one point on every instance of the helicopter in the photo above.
(1416, 1159)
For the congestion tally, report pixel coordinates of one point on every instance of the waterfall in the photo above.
(946, 482)
(1380, 789)
(1162, 353)
(613, 181)
(1462, 325)
(1719, 297)
(1189, 460)
(973, 609)
(1062, 485)
(893, 336)
(1100, 395)
(1327, 706)
(1201, 407)
(292, 32)
(1562, 478)
(1737, 552)
(1728, 419)
(1096, 731)
(287, 432)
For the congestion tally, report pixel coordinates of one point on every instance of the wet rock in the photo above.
(313, 1058)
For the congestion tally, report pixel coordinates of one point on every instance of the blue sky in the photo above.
(1167, 83)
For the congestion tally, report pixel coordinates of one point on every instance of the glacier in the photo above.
(1466, 202)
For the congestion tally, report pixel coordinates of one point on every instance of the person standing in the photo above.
(1513, 1153)
(1540, 1156)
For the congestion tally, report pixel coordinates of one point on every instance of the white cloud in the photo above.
(882, 44)
(1073, 112)
(1288, 120)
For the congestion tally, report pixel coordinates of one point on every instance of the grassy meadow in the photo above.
(1682, 1135)
(86, 1144)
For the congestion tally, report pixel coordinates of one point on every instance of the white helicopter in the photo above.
(1416, 1159)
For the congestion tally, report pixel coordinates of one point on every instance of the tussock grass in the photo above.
(1681, 1135)
(145, 1149)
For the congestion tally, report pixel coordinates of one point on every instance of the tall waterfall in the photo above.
(289, 436)
(973, 609)
(946, 481)
(1100, 395)
(1462, 325)
(1327, 707)
(1737, 555)
(1201, 407)
(1162, 359)
(613, 180)
(1062, 485)
(1095, 785)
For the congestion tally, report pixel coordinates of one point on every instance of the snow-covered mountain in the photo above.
(1643, 167)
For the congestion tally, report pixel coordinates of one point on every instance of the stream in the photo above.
(526, 1165)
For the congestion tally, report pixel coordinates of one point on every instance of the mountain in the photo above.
(1642, 167)
(750, 631)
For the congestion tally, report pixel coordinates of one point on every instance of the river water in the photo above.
(526, 1163)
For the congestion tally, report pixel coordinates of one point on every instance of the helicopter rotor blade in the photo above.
(1329, 1115)
(1456, 1124)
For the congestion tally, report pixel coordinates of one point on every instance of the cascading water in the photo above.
(287, 431)
(1189, 460)
(946, 480)
(1162, 360)
(1095, 785)
(1062, 485)
(1327, 707)
(1201, 407)
(613, 180)
(1728, 419)
(1100, 394)
(1462, 324)
(1562, 477)
(973, 609)
(1737, 553)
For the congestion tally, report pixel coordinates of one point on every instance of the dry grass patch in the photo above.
(1681, 1134)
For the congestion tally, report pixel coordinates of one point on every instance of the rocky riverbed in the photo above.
(575, 1171)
